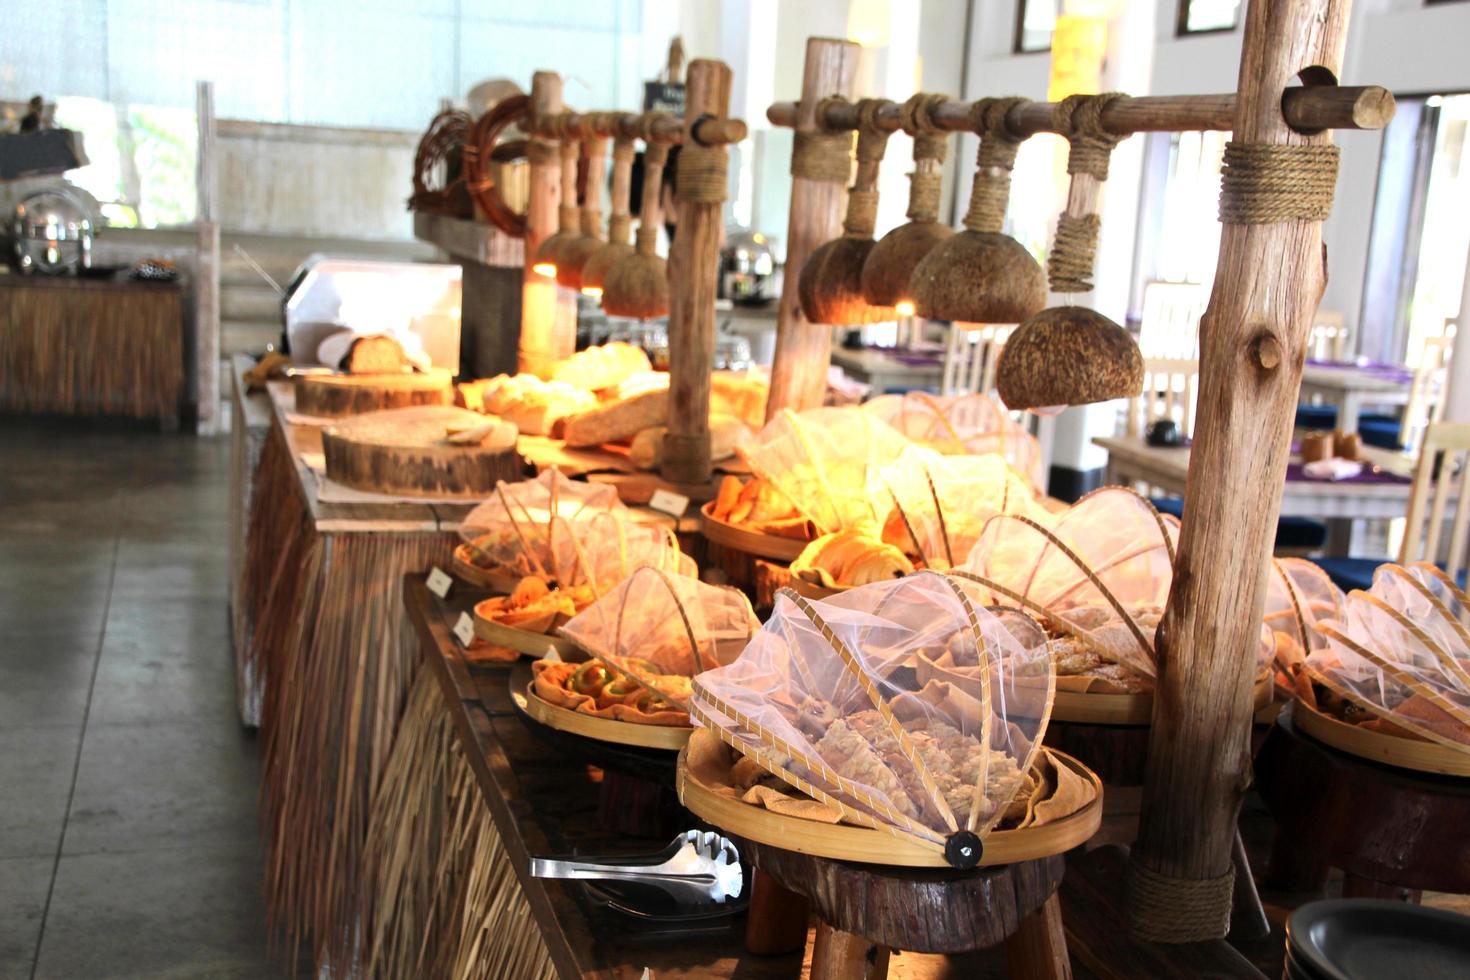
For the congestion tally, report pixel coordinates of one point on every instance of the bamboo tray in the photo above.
(772, 546)
(811, 590)
(468, 571)
(1391, 750)
(605, 729)
(530, 643)
(1083, 708)
(845, 842)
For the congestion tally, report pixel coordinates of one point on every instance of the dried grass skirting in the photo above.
(337, 653)
(443, 897)
(89, 350)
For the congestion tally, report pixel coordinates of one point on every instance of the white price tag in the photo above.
(551, 656)
(439, 582)
(673, 504)
(464, 629)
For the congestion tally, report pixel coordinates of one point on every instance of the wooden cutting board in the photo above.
(336, 395)
(406, 451)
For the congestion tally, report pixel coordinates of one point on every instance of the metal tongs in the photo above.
(697, 867)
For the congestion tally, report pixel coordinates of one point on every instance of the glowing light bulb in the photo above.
(594, 291)
(904, 307)
(547, 269)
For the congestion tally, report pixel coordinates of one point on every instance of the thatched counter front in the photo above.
(91, 347)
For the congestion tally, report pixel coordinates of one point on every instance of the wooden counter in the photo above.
(75, 346)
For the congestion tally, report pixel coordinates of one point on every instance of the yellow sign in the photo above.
(1078, 46)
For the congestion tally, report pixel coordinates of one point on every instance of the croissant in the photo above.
(852, 557)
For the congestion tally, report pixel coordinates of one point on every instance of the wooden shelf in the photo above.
(472, 241)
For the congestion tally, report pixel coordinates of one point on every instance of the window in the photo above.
(1207, 16)
(1035, 21)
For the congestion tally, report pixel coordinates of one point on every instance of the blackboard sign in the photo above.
(664, 97)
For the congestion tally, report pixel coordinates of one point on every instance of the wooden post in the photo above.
(838, 955)
(804, 350)
(541, 302)
(1252, 342)
(206, 274)
(693, 277)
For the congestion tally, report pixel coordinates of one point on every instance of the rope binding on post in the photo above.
(822, 154)
(991, 191)
(916, 116)
(702, 170)
(1179, 910)
(1079, 118)
(1262, 183)
(862, 201)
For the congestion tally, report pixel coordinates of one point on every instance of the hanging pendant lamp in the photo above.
(548, 255)
(1072, 355)
(891, 262)
(638, 286)
(981, 276)
(619, 225)
(831, 288)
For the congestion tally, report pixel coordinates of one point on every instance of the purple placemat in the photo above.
(1388, 372)
(1370, 474)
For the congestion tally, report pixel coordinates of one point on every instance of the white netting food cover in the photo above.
(1398, 660)
(511, 531)
(662, 629)
(827, 462)
(1299, 594)
(1097, 575)
(826, 697)
(973, 424)
(939, 504)
(608, 547)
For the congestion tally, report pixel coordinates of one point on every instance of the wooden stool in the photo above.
(1393, 832)
(864, 911)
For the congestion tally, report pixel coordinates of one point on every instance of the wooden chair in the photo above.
(1170, 390)
(1171, 315)
(970, 357)
(1439, 481)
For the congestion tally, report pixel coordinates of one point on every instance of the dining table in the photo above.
(1352, 386)
(1381, 492)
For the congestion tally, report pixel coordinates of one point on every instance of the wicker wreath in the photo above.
(482, 152)
(443, 143)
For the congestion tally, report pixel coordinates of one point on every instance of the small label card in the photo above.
(673, 504)
(439, 582)
(464, 629)
(551, 656)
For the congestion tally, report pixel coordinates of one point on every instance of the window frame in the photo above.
(1020, 30)
(1181, 22)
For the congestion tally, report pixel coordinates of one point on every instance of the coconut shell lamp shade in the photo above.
(548, 256)
(831, 285)
(638, 286)
(574, 253)
(890, 263)
(1072, 355)
(981, 275)
(619, 225)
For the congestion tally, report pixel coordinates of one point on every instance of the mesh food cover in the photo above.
(827, 461)
(1097, 575)
(512, 531)
(1299, 594)
(1398, 660)
(607, 547)
(662, 629)
(827, 699)
(958, 425)
(939, 504)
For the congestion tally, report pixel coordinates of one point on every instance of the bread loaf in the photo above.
(378, 354)
(618, 420)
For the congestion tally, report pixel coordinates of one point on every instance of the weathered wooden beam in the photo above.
(542, 315)
(1306, 109)
(1253, 339)
(804, 350)
(694, 261)
(665, 128)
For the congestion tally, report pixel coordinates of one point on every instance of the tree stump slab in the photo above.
(331, 396)
(406, 451)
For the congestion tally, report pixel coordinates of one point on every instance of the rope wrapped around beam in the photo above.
(1265, 183)
(930, 143)
(702, 173)
(1079, 117)
(820, 154)
(862, 198)
(991, 191)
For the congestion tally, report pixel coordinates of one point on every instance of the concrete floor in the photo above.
(129, 845)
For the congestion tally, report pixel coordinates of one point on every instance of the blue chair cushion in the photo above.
(1301, 533)
(1350, 573)
(1377, 417)
(1384, 435)
(1316, 416)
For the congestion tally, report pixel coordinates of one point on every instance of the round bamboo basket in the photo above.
(605, 729)
(770, 546)
(808, 589)
(844, 842)
(530, 642)
(468, 571)
(1405, 753)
